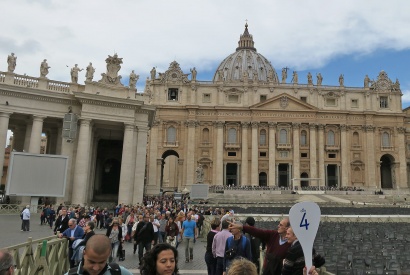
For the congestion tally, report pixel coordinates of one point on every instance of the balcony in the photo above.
(205, 144)
(284, 146)
(232, 146)
(387, 148)
(332, 148)
(171, 144)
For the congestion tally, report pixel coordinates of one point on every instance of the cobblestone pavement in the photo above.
(11, 235)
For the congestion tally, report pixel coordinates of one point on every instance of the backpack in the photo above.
(115, 269)
(232, 251)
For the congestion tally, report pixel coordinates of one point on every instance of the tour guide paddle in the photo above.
(304, 219)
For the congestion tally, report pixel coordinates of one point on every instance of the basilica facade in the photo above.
(251, 126)
(248, 126)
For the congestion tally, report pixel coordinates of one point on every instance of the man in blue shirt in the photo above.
(73, 233)
(188, 233)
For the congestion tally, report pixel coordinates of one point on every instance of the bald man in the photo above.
(96, 253)
(276, 244)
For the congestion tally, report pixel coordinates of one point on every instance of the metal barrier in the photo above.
(46, 256)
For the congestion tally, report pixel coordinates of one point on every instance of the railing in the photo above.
(284, 146)
(26, 81)
(2, 77)
(58, 86)
(43, 256)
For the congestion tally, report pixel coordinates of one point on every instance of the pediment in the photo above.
(284, 102)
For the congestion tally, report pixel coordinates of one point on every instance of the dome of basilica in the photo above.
(245, 64)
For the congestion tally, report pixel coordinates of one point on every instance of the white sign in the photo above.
(304, 219)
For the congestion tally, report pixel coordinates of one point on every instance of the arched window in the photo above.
(263, 179)
(205, 135)
(331, 138)
(283, 138)
(385, 139)
(303, 137)
(171, 134)
(262, 137)
(232, 135)
(355, 138)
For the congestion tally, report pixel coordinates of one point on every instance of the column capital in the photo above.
(343, 127)
(38, 118)
(401, 130)
(160, 161)
(254, 124)
(272, 125)
(191, 123)
(312, 126)
(85, 121)
(321, 127)
(219, 124)
(295, 125)
(245, 124)
(129, 127)
(369, 128)
(5, 114)
(142, 129)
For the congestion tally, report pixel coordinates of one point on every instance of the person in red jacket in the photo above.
(276, 245)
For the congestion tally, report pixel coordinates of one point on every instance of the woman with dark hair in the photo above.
(209, 257)
(162, 259)
(172, 231)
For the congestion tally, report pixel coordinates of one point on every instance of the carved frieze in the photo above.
(174, 74)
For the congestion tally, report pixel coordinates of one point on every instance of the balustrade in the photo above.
(58, 86)
(26, 81)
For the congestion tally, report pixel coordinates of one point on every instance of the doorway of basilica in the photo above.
(386, 171)
(170, 174)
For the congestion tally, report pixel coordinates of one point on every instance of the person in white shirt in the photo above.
(156, 225)
(26, 219)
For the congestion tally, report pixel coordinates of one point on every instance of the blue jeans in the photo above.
(210, 263)
(161, 237)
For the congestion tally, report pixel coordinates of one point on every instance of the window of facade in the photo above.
(262, 98)
(384, 102)
(385, 139)
(206, 98)
(303, 98)
(303, 138)
(233, 98)
(232, 135)
(283, 136)
(173, 94)
(171, 135)
(262, 154)
(231, 154)
(262, 137)
(332, 156)
(331, 138)
(355, 138)
(205, 135)
(330, 101)
(303, 155)
(355, 103)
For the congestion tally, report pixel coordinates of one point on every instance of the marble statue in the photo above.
(309, 78)
(199, 174)
(74, 73)
(319, 79)
(11, 61)
(89, 72)
(153, 73)
(193, 74)
(284, 75)
(113, 67)
(366, 81)
(44, 69)
(133, 80)
(295, 77)
(341, 80)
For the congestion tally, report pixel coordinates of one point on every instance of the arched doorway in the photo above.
(304, 183)
(263, 179)
(387, 171)
(169, 171)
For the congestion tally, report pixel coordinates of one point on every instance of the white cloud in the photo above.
(146, 33)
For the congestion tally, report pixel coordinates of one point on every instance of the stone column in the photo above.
(190, 152)
(272, 154)
(296, 153)
(126, 189)
(219, 153)
(254, 154)
(244, 151)
(35, 137)
(18, 138)
(402, 180)
(59, 140)
(27, 136)
(52, 142)
(159, 172)
(4, 126)
(180, 173)
(313, 152)
(82, 163)
(321, 152)
(67, 149)
(371, 162)
(153, 184)
(277, 175)
(140, 163)
(344, 181)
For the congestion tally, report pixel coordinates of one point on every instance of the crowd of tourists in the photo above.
(160, 224)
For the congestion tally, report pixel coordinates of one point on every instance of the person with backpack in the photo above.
(144, 236)
(95, 255)
(255, 243)
(237, 246)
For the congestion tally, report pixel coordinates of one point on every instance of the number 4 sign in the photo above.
(304, 219)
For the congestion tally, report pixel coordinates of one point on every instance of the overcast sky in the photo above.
(347, 37)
